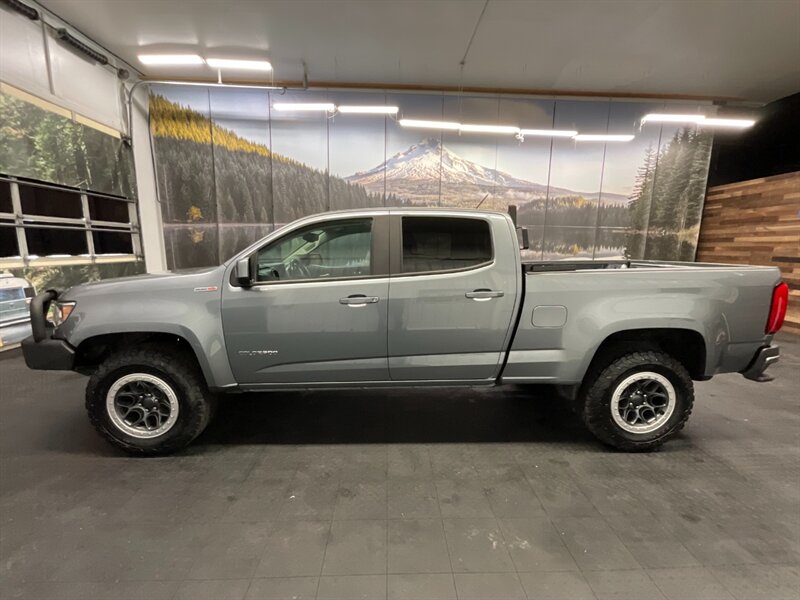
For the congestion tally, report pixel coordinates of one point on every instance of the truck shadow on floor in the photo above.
(425, 415)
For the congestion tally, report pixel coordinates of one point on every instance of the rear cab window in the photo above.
(438, 244)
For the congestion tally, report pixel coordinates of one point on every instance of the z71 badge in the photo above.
(257, 352)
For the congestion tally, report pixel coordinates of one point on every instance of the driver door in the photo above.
(317, 310)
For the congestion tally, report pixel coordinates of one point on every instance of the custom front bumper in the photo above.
(41, 350)
(765, 356)
(48, 354)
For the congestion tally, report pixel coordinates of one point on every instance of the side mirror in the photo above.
(522, 238)
(243, 275)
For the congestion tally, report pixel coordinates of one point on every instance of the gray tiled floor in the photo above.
(402, 495)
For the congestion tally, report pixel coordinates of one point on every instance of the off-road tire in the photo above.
(600, 384)
(179, 370)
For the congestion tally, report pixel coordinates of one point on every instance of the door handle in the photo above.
(358, 300)
(482, 295)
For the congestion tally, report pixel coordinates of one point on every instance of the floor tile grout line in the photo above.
(510, 556)
(330, 528)
(444, 535)
(386, 549)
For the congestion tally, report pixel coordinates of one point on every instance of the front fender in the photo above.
(187, 306)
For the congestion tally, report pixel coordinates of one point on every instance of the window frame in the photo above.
(379, 251)
(20, 222)
(397, 245)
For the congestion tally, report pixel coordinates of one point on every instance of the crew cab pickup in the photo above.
(407, 297)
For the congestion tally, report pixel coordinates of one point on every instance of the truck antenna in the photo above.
(482, 199)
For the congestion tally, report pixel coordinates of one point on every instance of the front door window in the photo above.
(331, 250)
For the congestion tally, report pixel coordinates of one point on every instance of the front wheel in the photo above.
(639, 401)
(148, 400)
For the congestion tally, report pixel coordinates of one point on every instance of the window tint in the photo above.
(443, 243)
(106, 209)
(50, 202)
(55, 242)
(5, 197)
(8, 242)
(339, 248)
(112, 242)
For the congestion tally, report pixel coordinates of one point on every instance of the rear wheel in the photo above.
(148, 400)
(638, 401)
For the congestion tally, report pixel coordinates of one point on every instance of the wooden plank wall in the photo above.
(756, 222)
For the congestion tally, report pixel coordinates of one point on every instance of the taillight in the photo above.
(777, 310)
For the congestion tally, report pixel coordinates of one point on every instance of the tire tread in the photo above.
(179, 367)
(596, 411)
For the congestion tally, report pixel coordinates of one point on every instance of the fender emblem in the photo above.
(257, 352)
(212, 288)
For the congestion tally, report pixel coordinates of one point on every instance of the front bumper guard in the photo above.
(41, 351)
(766, 356)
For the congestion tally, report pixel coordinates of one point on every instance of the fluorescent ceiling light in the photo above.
(170, 59)
(670, 118)
(369, 110)
(701, 120)
(737, 123)
(597, 137)
(488, 128)
(232, 63)
(549, 132)
(304, 106)
(449, 125)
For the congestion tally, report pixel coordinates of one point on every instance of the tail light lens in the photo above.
(777, 311)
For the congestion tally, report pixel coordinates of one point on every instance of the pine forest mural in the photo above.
(47, 146)
(230, 169)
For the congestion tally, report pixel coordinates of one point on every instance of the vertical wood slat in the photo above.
(756, 222)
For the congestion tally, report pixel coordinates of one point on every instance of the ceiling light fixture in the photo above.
(488, 128)
(304, 106)
(170, 59)
(234, 63)
(598, 137)
(671, 118)
(735, 123)
(549, 132)
(448, 125)
(369, 110)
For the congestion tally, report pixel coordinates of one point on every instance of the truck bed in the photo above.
(567, 304)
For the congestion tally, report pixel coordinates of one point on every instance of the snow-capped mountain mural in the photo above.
(229, 170)
(409, 175)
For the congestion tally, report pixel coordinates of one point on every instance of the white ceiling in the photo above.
(747, 49)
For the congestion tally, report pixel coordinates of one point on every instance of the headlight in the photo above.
(61, 312)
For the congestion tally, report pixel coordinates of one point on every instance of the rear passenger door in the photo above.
(452, 296)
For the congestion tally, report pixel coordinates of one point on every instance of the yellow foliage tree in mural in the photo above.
(194, 214)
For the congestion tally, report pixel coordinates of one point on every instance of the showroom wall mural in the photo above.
(230, 168)
(44, 144)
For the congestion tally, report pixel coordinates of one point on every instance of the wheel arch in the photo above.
(90, 352)
(687, 346)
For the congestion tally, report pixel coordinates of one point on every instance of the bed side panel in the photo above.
(727, 306)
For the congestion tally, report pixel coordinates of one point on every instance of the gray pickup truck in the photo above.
(407, 297)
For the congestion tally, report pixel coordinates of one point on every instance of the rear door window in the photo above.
(433, 244)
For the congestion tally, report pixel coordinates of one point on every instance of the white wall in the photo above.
(34, 59)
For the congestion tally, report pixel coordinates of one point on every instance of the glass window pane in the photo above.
(55, 241)
(106, 209)
(112, 242)
(339, 248)
(8, 242)
(441, 244)
(50, 202)
(5, 197)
